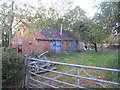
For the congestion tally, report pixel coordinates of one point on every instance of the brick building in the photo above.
(42, 38)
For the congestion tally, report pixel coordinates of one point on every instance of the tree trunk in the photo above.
(9, 38)
(95, 45)
(11, 23)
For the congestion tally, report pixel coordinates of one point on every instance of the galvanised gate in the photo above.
(31, 82)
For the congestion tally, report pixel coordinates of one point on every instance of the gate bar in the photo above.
(56, 80)
(31, 84)
(99, 80)
(43, 83)
(93, 77)
(61, 74)
(79, 66)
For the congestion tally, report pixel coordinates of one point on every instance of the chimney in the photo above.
(61, 29)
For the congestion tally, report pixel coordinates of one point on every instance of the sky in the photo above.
(86, 5)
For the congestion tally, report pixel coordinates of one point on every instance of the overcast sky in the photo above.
(86, 5)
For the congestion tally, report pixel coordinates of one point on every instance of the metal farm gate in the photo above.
(33, 79)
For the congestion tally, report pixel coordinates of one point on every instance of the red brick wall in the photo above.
(14, 44)
(30, 44)
(42, 46)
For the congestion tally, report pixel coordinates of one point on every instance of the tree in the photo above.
(109, 18)
(6, 23)
(45, 17)
(54, 15)
(74, 15)
(61, 7)
(11, 15)
(89, 32)
(109, 14)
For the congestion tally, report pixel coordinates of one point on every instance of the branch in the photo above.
(3, 14)
(12, 17)
(17, 23)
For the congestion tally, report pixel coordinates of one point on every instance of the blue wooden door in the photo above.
(57, 46)
(52, 45)
(73, 45)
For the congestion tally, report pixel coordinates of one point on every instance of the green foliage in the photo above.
(45, 17)
(0, 35)
(109, 13)
(72, 16)
(12, 17)
(5, 36)
(11, 68)
(39, 29)
(112, 39)
(106, 19)
(88, 31)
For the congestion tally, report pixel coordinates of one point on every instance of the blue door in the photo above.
(52, 45)
(57, 46)
(73, 45)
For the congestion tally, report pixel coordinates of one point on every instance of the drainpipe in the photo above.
(61, 29)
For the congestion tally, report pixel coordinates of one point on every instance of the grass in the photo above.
(0, 67)
(91, 58)
(106, 59)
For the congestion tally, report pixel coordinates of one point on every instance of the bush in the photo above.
(11, 67)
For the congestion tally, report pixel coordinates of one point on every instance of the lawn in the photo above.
(107, 59)
(0, 67)
(91, 58)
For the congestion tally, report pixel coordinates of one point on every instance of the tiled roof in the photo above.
(54, 33)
